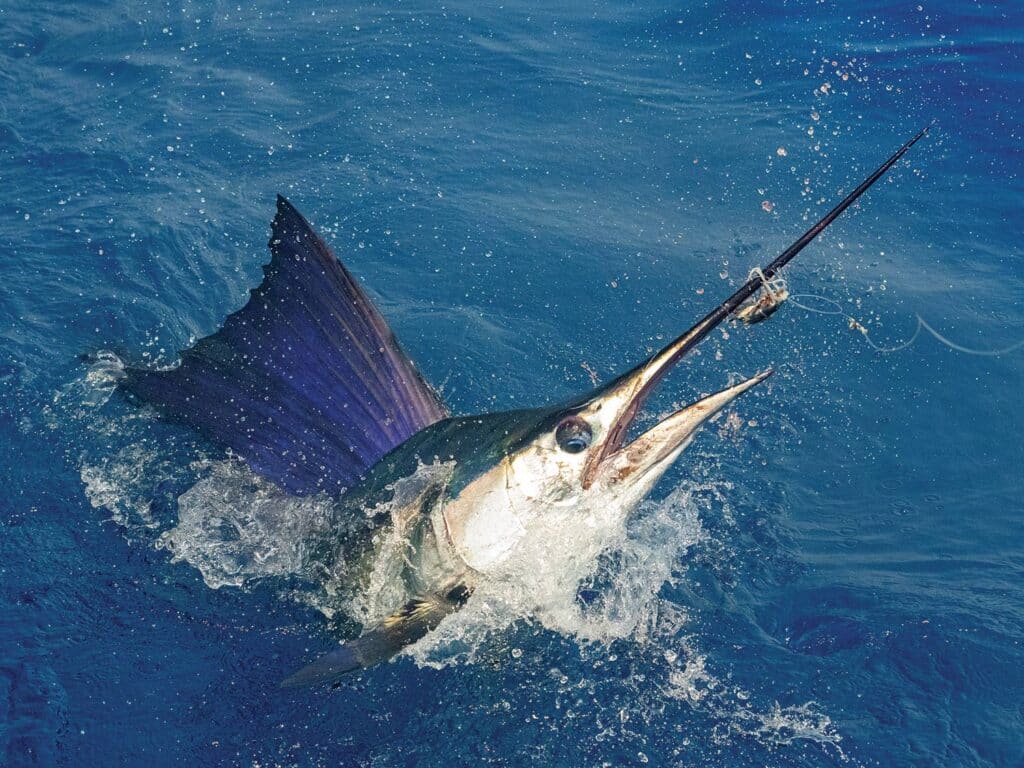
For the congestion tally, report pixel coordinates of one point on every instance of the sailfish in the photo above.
(308, 386)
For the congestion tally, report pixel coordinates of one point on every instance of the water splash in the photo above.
(82, 398)
(108, 485)
(238, 530)
(374, 590)
(623, 566)
(119, 466)
(691, 680)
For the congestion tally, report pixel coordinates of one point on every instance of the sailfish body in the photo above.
(308, 385)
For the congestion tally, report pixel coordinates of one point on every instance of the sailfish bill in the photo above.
(308, 385)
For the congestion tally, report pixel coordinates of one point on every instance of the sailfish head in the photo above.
(579, 458)
(574, 463)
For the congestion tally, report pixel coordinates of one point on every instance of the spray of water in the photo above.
(236, 530)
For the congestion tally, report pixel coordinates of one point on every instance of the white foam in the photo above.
(108, 485)
(541, 581)
(81, 398)
(780, 725)
(119, 480)
(691, 680)
(236, 528)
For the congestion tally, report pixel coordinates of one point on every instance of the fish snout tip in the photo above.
(756, 379)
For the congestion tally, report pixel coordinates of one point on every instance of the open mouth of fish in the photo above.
(622, 399)
(622, 402)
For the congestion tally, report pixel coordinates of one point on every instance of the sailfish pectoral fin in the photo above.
(383, 640)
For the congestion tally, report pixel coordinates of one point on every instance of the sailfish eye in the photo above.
(573, 435)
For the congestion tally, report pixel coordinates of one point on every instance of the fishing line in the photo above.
(774, 292)
(922, 324)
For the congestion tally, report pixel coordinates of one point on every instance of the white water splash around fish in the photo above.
(240, 532)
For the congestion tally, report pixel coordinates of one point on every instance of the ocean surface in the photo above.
(535, 195)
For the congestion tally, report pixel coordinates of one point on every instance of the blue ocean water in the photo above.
(832, 573)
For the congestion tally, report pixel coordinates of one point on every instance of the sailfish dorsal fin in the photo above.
(306, 382)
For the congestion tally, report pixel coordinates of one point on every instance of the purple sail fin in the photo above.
(306, 382)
